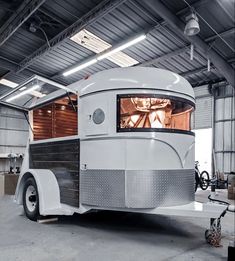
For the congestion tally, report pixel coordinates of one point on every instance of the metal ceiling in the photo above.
(24, 53)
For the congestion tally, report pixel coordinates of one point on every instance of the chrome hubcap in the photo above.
(31, 198)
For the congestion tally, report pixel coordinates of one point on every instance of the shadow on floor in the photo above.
(134, 222)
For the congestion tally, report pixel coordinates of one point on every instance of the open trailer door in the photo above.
(53, 148)
(33, 93)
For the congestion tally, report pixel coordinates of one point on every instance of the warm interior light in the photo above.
(33, 88)
(150, 112)
(80, 67)
(192, 26)
(8, 83)
(98, 45)
(122, 47)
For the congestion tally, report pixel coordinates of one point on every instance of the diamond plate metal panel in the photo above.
(103, 188)
(154, 188)
(137, 189)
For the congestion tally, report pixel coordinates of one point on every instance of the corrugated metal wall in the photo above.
(222, 105)
(224, 142)
(13, 134)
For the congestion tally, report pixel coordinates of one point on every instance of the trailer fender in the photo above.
(48, 190)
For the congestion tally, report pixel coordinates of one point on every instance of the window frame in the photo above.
(160, 96)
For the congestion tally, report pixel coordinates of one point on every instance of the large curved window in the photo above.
(153, 113)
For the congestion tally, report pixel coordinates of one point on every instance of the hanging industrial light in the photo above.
(192, 26)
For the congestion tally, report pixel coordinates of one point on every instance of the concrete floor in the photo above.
(109, 236)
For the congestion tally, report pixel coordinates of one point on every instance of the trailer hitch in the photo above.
(213, 235)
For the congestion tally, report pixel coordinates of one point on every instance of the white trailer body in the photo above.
(133, 151)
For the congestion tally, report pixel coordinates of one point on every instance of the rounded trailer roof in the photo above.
(135, 78)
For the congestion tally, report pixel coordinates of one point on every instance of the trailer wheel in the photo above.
(31, 199)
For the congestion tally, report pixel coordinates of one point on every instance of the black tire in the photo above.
(204, 180)
(196, 181)
(33, 213)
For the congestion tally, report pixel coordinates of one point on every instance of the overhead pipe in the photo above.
(225, 69)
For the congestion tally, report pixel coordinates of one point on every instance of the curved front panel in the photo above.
(137, 188)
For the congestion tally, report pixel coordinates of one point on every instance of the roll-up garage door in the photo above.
(202, 117)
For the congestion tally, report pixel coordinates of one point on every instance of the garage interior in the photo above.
(63, 41)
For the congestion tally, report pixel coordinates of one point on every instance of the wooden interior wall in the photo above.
(181, 120)
(57, 119)
(64, 120)
(42, 123)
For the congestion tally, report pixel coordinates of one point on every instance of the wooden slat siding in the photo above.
(55, 120)
(62, 158)
(64, 121)
(42, 123)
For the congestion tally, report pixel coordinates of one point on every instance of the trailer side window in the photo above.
(149, 112)
(57, 119)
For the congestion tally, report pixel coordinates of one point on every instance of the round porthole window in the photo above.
(98, 116)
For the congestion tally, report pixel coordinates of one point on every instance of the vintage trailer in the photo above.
(118, 140)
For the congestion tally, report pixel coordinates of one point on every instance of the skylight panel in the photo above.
(90, 41)
(97, 45)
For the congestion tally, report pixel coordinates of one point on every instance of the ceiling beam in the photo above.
(24, 11)
(164, 57)
(226, 11)
(92, 16)
(12, 67)
(183, 50)
(198, 70)
(203, 82)
(195, 5)
(53, 16)
(223, 34)
(6, 6)
(175, 23)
